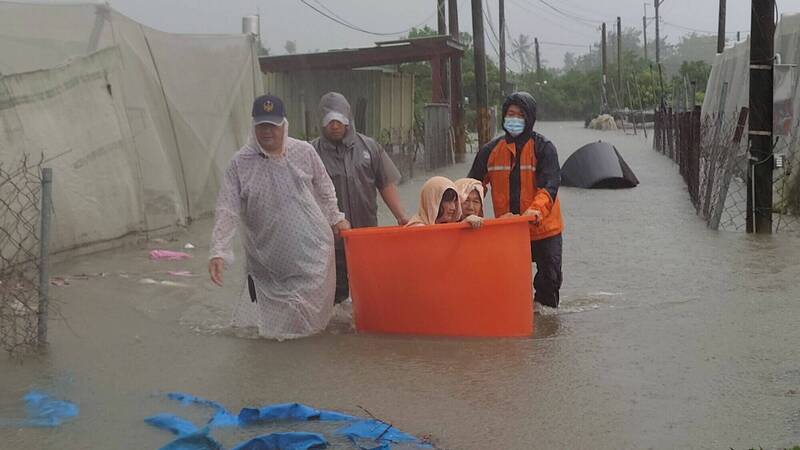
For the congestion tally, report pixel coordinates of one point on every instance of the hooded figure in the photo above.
(522, 169)
(466, 186)
(357, 165)
(360, 169)
(286, 204)
(431, 204)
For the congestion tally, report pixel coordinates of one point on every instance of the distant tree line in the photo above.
(572, 92)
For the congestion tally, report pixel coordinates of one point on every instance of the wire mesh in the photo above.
(712, 155)
(20, 200)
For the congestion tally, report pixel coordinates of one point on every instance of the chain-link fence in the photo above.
(712, 153)
(20, 219)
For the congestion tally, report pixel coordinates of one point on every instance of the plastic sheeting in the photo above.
(285, 441)
(597, 165)
(286, 206)
(364, 434)
(43, 410)
(727, 92)
(137, 124)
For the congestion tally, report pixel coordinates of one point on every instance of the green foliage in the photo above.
(574, 92)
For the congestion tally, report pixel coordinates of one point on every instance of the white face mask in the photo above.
(514, 125)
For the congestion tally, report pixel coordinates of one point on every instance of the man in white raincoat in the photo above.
(278, 189)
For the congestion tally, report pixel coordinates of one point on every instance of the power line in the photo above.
(573, 16)
(563, 44)
(341, 21)
(487, 15)
(680, 27)
(564, 23)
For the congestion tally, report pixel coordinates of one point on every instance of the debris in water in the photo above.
(168, 255)
(163, 282)
(59, 281)
(180, 273)
(43, 411)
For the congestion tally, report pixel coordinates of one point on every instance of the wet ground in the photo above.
(670, 336)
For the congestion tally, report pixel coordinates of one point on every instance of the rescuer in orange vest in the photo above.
(521, 168)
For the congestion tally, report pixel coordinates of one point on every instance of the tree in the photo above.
(692, 47)
(291, 47)
(523, 48)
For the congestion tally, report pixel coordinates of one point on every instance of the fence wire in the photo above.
(20, 200)
(712, 154)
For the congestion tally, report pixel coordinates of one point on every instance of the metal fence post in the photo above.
(44, 238)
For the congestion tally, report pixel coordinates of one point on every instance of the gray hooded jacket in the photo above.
(357, 165)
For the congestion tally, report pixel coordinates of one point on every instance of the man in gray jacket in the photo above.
(359, 169)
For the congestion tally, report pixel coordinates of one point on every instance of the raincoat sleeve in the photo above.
(324, 190)
(479, 169)
(226, 216)
(548, 177)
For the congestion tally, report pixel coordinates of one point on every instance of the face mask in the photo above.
(514, 125)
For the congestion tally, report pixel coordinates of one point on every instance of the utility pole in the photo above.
(481, 92)
(603, 53)
(456, 91)
(441, 17)
(762, 53)
(644, 31)
(502, 12)
(538, 59)
(721, 30)
(738, 36)
(441, 14)
(605, 68)
(658, 36)
(619, 56)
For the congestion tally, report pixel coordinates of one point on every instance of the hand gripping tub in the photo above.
(447, 280)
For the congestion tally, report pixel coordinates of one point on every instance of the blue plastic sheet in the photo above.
(221, 418)
(288, 411)
(197, 441)
(285, 441)
(172, 423)
(375, 430)
(364, 434)
(189, 436)
(42, 410)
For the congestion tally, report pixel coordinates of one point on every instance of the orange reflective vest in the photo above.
(499, 166)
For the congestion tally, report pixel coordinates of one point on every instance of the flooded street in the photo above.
(670, 335)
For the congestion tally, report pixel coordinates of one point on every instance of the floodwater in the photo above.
(670, 335)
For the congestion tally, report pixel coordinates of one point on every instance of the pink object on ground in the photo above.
(168, 255)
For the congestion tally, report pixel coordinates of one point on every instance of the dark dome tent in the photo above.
(597, 165)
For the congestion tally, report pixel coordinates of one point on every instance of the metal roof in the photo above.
(383, 53)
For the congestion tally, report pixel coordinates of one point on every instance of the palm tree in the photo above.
(522, 47)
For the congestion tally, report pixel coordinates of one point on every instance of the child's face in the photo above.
(447, 212)
(472, 205)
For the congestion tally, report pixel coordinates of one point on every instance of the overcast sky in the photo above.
(284, 20)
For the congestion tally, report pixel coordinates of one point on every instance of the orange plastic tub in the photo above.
(447, 280)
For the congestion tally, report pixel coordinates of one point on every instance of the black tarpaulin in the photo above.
(597, 165)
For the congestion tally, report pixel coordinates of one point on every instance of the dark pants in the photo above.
(342, 285)
(546, 253)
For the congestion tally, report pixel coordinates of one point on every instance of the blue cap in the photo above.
(268, 109)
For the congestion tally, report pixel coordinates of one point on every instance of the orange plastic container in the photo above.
(447, 280)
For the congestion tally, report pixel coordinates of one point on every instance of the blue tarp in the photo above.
(285, 441)
(42, 410)
(364, 434)
(288, 411)
(376, 430)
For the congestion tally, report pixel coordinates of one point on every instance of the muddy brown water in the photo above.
(670, 335)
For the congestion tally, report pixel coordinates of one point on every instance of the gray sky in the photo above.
(284, 20)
